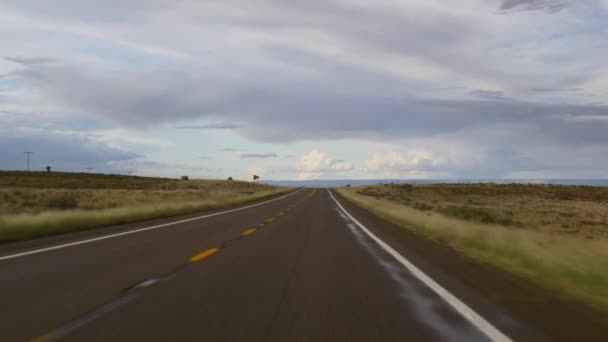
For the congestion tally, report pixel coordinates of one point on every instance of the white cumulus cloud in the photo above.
(316, 163)
(414, 163)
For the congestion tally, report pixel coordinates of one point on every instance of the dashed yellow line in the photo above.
(204, 254)
(281, 213)
(249, 231)
(312, 193)
(42, 338)
(270, 220)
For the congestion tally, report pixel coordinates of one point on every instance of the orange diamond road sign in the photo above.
(256, 177)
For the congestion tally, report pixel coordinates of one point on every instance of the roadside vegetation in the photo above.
(555, 236)
(37, 204)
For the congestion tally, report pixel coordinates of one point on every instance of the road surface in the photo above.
(305, 267)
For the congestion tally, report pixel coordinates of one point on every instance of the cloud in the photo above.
(414, 163)
(63, 152)
(259, 155)
(146, 167)
(488, 94)
(323, 71)
(145, 99)
(218, 125)
(557, 90)
(317, 162)
(551, 6)
(490, 119)
(28, 61)
(128, 139)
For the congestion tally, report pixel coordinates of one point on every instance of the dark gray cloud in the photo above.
(63, 152)
(557, 90)
(28, 61)
(489, 94)
(259, 155)
(110, 11)
(219, 125)
(533, 5)
(277, 110)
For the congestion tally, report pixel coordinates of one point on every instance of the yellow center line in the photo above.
(281, 213)
(269, 220)
(249, 231)
(42, 338)
(204, 254)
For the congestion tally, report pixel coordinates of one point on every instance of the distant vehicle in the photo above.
(185, 178)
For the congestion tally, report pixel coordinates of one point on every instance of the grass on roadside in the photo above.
(37, 192)
(36, 204)
(28, 226)
(573, 266)
(570, 210)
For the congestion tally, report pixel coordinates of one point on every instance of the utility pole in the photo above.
(28, 160)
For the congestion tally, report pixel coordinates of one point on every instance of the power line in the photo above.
(28, 159)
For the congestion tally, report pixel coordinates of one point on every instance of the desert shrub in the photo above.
(423, 206)
(484, 215)
(62, 202)
(565, 195)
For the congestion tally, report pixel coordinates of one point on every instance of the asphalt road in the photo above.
(299, 268)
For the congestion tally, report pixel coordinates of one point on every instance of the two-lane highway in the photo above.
(306, 267)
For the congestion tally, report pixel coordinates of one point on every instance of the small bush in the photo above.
(423, 206)
(483, 215)
(62, 202)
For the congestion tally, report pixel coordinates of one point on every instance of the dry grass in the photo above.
(557, 209)
(38, 204)
(570, 264)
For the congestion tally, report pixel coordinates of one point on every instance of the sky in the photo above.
(418, 89)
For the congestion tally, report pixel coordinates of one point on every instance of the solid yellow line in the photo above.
(249, 231)
(204, 254)
(270, 220)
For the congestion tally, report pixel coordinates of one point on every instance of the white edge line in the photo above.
(479, 322)
(41, 250)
